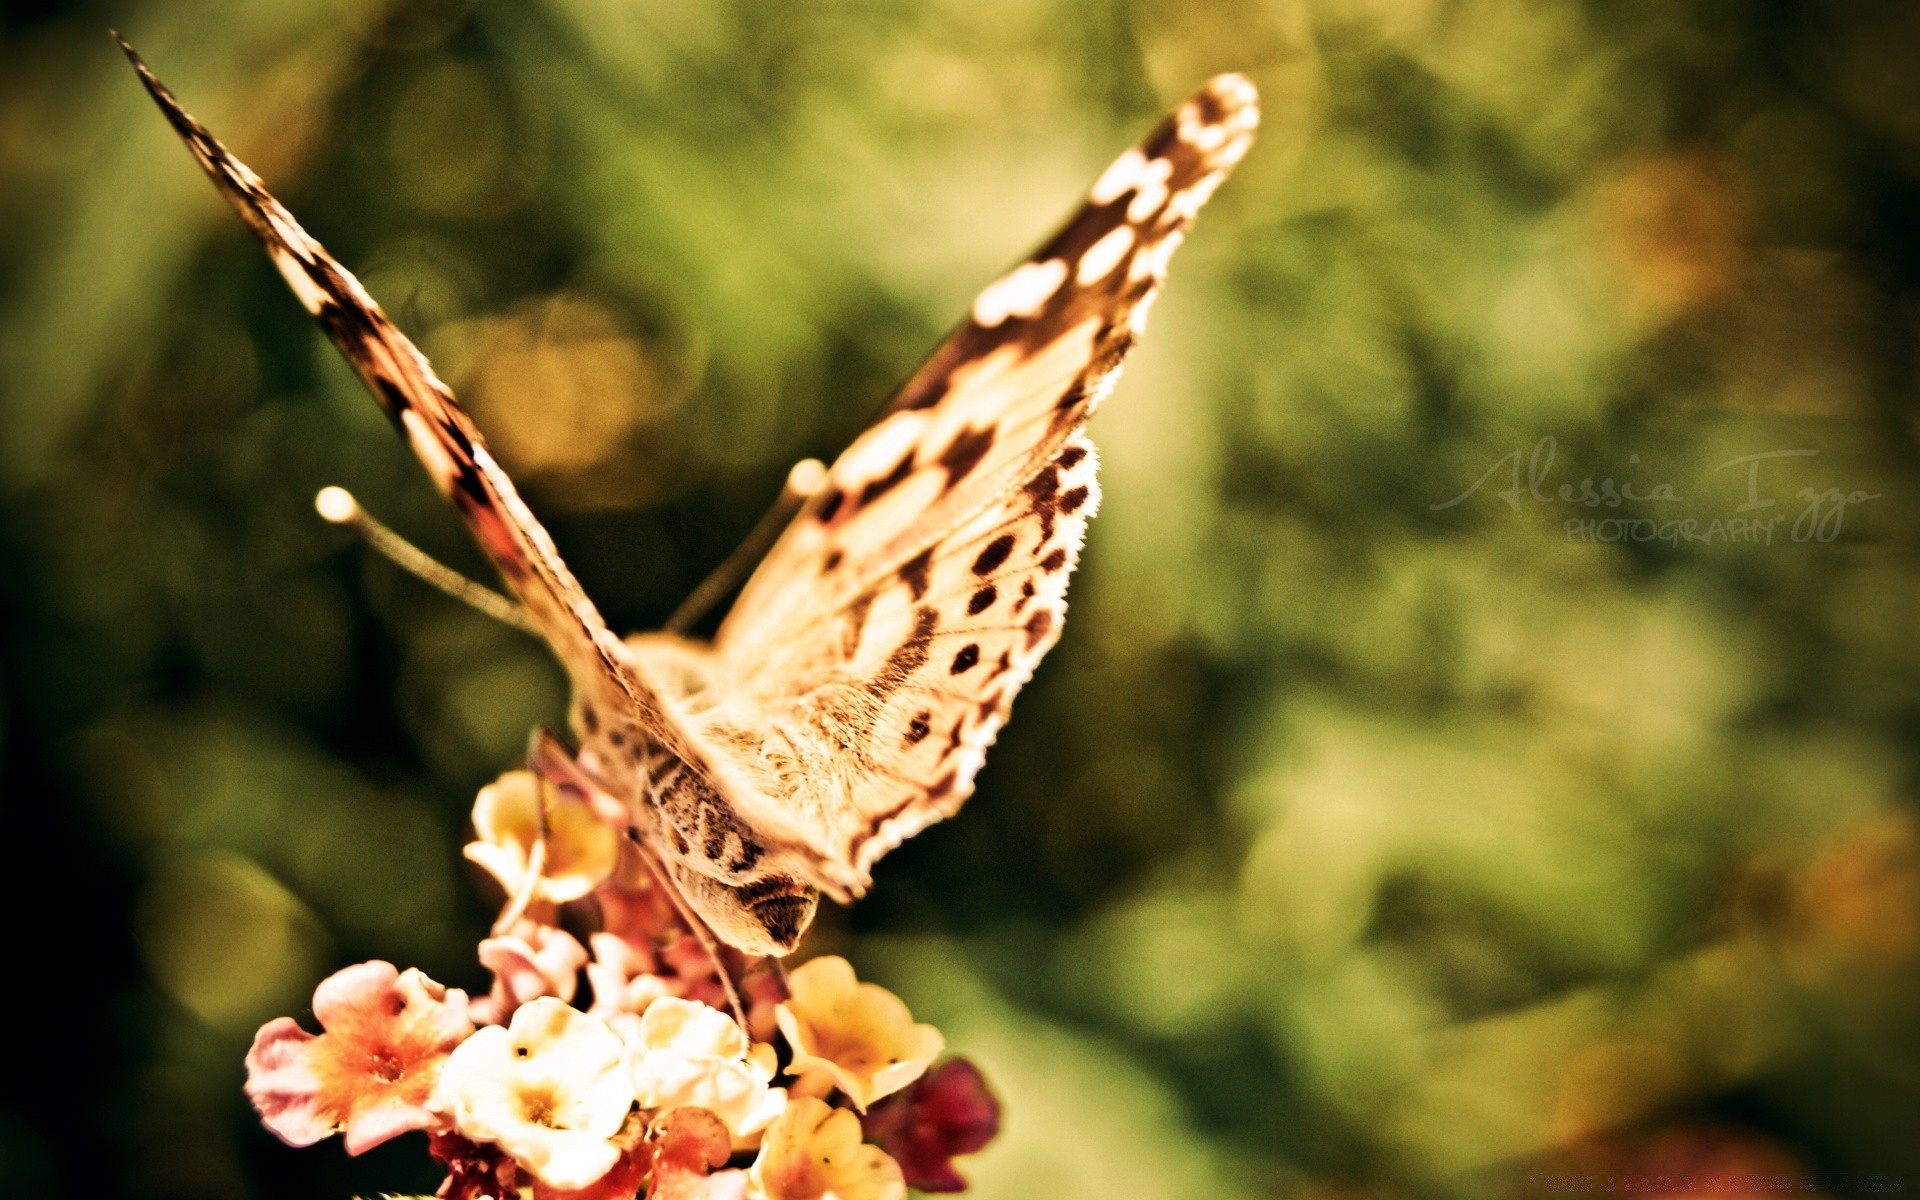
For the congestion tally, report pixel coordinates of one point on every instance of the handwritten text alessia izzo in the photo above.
(1820, 518)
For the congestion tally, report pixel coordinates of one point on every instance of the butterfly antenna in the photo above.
(806, 478)
(337, 505)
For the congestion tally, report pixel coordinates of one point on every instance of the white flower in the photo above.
(550, 1089)
(687, 1054)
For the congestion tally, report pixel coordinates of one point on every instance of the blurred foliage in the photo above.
(1354, 844)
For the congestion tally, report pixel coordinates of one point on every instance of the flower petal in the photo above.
(858, 1032)
(692, 1147)
(370, 1072)
(814, 1151)
(550, 1089)
(282, 1085)
(946, 1113)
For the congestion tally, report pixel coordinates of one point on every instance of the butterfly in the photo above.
(848, 698)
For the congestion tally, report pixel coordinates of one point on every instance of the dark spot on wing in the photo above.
(1072, 499)
(995, 553)
(1071, 456)
(914, 573)
(919, 728)
(944, 784)
(829, 505)
(765, 889)
(1003, 666)
(964, 453)
(1053, 562)
(856, 625)
(832, 560)
(749, 855)
(982, 600)
(886, 483)
(908, 657)
(965, 661)
(1045, 484)
(1038, 626)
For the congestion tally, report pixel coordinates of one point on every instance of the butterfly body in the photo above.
(849, 697)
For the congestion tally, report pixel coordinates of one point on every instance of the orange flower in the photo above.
(369, 1074)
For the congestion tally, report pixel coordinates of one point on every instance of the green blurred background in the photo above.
(1352, 845)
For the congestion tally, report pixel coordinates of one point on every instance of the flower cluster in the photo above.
(687, 1073)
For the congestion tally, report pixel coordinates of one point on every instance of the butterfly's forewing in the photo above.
(422, 406)
(876, 651)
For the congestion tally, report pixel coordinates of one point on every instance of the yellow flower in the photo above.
(814, 1152)
(689, 1055)
(551, 1089)
(858, 1032)
(509, 816)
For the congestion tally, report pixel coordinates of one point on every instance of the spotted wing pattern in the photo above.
(426, 412)
(875, 654)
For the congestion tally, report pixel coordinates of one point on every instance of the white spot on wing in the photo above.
(1020, 292)
(294, 271)
(1151, 190)
(1117, 178)
(438, 462)
(1187, 203)
(1137, 319)
(1104, 255)
(1152, 260)
(1196, 132)
(1235, 150)
(879, 449)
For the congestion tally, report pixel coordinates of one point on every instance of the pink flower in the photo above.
(369, 1074)
(940, 1115)
(531, 961)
